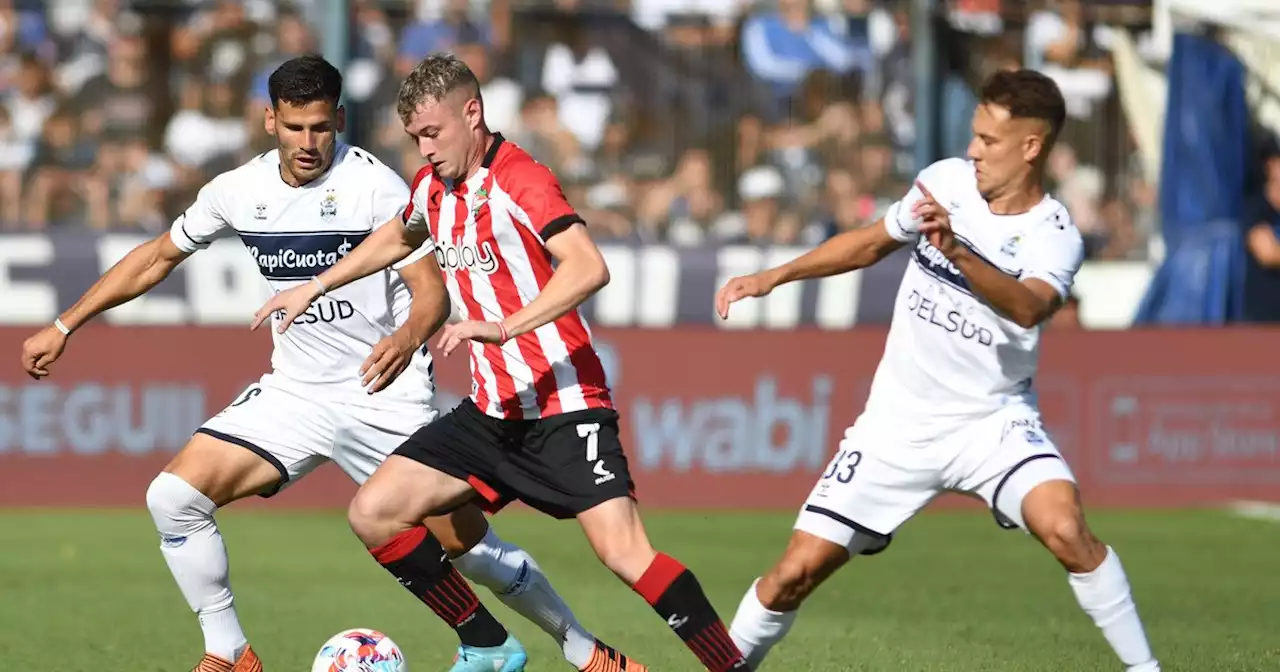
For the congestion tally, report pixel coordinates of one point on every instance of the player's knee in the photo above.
(176, 507)
(1068, 537)
(370, 518)
(626, 556)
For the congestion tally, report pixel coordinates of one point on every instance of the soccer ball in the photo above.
(360, 650)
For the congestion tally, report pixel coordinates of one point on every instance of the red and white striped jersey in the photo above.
(489, 234)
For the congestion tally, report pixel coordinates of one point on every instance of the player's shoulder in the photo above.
(516, 167)
(422, 178)
(1053, 220)
(358, 164)
(949, 179)
(1052, 233)
(243, 179)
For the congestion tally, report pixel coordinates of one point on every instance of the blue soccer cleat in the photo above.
(509, 657)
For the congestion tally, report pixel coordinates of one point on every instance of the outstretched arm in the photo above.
(144, 267)
(848, 251)
(140, 270)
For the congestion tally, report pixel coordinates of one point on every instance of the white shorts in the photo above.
(298, 427)
(878, 479)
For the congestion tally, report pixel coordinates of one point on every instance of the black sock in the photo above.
(419, 563)
(676, 595)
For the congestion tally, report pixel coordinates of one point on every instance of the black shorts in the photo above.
(561, 465)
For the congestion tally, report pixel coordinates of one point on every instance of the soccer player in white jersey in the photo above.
(349, 383)
(952, 407)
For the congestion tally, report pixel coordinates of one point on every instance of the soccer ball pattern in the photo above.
(360, 650)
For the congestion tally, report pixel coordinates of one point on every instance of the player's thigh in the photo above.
(875, 482)
(1008, 457)
(369, 433)
(264, 440)
(440, 467)
(222, 470)
(570, 463)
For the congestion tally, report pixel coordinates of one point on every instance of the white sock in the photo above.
(512, 575)
(1104, 595)
(756, 629)
(193, 548)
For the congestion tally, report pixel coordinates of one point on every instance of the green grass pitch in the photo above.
(87, 591)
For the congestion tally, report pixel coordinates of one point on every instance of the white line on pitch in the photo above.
(1268, 511)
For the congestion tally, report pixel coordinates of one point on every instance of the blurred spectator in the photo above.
(207, 132)
(31, 100)
(439, 25)
(502, 96)
(1263, 239)
(64, 183)
(782, 47)
(1059, 44)
(582, 77)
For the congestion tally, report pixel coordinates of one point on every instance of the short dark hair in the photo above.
(303, 80)
(1027, 94)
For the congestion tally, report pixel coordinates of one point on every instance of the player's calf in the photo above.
(807, 562)
(618, 537)
(1052, 511)
(206, 474)
(387, 514)
(768, 610)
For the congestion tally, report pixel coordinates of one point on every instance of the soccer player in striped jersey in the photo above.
(348, 384)
(539, 425)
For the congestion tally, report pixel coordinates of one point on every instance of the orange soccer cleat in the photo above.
(248, 662)
(608, 659)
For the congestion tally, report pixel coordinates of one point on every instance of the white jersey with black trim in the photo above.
(295, 233)
(950, 356)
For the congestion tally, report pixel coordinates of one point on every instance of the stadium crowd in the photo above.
(789, 120)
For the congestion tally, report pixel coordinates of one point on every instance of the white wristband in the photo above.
(57, 324)
(323, 290)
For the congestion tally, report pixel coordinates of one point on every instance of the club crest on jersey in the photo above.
(260, 211)
(1010, 246)
(329, 206)
(482, 197)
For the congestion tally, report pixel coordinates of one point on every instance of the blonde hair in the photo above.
(435, 77)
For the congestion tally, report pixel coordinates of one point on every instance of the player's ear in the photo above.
(269, 121)
(341, 120)
(1032, 147)
(473, 112)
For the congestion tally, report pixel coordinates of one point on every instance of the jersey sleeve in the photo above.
(206, 220)
(541, 202)
(1055, 254)
(411, 205)
(903, 226)
(414, 214)
(390, 194)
